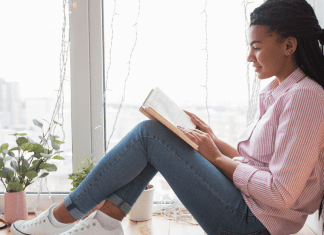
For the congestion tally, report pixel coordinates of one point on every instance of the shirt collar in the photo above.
(278, 89)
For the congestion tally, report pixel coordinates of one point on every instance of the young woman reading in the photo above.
(269, 184)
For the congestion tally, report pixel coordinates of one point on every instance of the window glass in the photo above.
(30, 46)
(170, 53)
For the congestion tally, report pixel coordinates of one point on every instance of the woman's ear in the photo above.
(291, 45)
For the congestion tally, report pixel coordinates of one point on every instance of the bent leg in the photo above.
(150, 147)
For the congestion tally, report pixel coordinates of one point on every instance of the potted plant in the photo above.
(143, 208)
(21, 165)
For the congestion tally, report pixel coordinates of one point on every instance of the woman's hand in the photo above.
(207, 148)
(201, 125)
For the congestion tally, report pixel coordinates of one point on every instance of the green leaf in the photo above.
(35, 162)
(10, 173)
(47, 156)
(58, 157)
(55, 145)
(4, 146)
(38, 123)
(44, 175)
(21, 140)
(15, 148)
(27, 147)
(1, 162)
(3, 174)
(59, 142)
(14, 165)
(43, 139)
(5, 151)
(11, 154)
(37, 155)
(25, 164)
(14, 179)
(57, 123)
(43, 165)
(37, 148)
(52, 137)
(51, 167)
(15, 187)
(31, 174)
(58, 152)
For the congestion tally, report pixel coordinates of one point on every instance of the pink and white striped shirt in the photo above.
(281, 170)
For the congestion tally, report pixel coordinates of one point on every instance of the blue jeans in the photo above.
(124, 172)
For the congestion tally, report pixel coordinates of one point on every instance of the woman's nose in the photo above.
(250, 57)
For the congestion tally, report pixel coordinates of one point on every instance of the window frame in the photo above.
(87, 81)
(87, 86)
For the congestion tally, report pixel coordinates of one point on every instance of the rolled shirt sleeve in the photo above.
(297, 145)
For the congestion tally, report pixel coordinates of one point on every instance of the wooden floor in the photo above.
(158, 225)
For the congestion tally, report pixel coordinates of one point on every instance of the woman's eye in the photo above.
(256, 48)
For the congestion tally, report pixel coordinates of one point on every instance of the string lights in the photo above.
(58, 110)
(206, 49)
(129, 67)
(252, 96)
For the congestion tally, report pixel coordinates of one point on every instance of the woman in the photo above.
(269, 184)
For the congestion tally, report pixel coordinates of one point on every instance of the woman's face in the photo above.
(268, 55)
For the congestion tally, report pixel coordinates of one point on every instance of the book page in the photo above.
(167, 108)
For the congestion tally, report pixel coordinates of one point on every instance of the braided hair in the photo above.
(296, 18)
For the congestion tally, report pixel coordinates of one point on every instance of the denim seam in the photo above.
(200, 178)
(130, 189)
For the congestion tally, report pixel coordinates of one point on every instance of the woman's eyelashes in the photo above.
(256, 48)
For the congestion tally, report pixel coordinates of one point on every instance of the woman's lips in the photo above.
(257, 69)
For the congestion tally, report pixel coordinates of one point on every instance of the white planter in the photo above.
(143, 208)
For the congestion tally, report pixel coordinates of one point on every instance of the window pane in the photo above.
(30, 46)
(170, 53)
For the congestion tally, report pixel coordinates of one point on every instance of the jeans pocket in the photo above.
(260, 232)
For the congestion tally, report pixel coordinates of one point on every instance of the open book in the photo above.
(160, 107)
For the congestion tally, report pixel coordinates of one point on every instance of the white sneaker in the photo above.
(41, 225)
(90, 225)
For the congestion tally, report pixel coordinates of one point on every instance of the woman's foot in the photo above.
(91, 225)
(39, 226)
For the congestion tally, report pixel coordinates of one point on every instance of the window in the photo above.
(30, 47)
(170, 52)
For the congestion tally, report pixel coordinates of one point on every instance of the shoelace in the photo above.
(82, 225)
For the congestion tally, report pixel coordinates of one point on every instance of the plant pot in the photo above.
(15, 206)
(143, 208)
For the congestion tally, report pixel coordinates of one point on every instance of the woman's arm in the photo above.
(226, 149)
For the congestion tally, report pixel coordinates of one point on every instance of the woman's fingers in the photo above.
(195, 118)
(194, 135)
